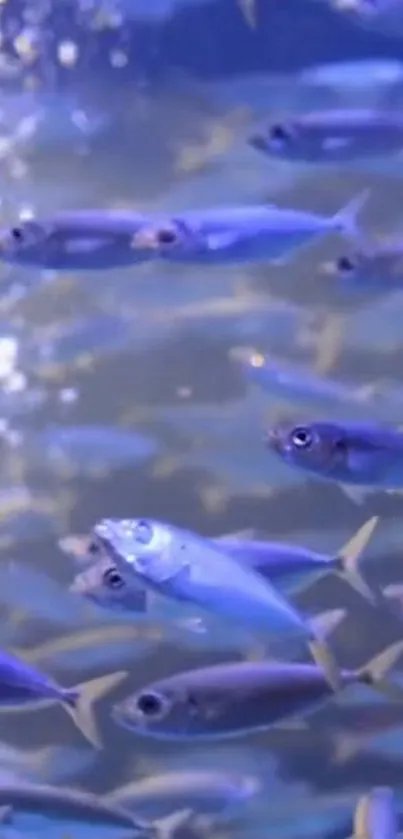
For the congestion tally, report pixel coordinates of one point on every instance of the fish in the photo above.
(23, 685)
(369, 81)
(183, 566)
(46, 810)
(81, 240)
(103, 584)
(206, 792)
(360, 457)
(376, 269)
(332, 136)
(237, 235)
(47, 764)
(290, 566)
(297, 384)
(382, 16)
(227, 700)
(375, 815)
(72, 450)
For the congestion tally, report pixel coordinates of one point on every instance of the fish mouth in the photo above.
(146, 240)
(272, 439)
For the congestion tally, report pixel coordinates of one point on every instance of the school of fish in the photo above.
(133, 582)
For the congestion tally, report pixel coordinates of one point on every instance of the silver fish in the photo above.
(227, 700)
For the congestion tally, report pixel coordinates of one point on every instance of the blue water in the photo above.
(153, 115)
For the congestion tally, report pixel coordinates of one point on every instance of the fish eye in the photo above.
(346, 265)
(166, 236)
(17, 234)
(112, 578)
(301, 438)
(143, 532)
(93, 548)
(150, 704)
(279, 133)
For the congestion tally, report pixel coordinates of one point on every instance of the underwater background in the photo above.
(153, 115)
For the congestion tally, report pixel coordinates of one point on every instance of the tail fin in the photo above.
(376, 807)
(321, 626)
(348, 561)
(168, 827)
(393, 595)
(375, 672)
(346, 219)
(79, 703)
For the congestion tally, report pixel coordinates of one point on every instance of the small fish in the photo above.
(85, 449)
(377, 269)
(289, 566)
(360, 457)
(243, 234)
(375, 816)
(334, 136)
(381, 16)
(227, 700)
(304, 387)
(75, 241)
(184, 566)
(208, 792)
(39, 809)
(23, 685)
(47, 764)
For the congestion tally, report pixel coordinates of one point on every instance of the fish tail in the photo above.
(345, 747)
(346, 220)
(380, 801)
(79, 702)
(167, 827)
(347, 564)
(321, 626)
(375, 672)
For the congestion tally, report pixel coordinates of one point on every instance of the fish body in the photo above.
(184, 566)
(299, 385)
(333, 136)
(86, 449)
(360, 454)
(242, 234)
(206, 792)
(231, 699)
(77, 240)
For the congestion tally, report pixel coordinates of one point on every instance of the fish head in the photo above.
(104, 585)
(280, 139)
(173, 708)
(168, 239)
(318, 447)
(143, 547)
(26, 243)
(377, 269)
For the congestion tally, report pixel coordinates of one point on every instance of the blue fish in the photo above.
(184, 566)
(334, 136)
(359, 456)
(308, 389)
(78, 240)
(243, 234)
(376, 269)
(87, 449)
(226, 700)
